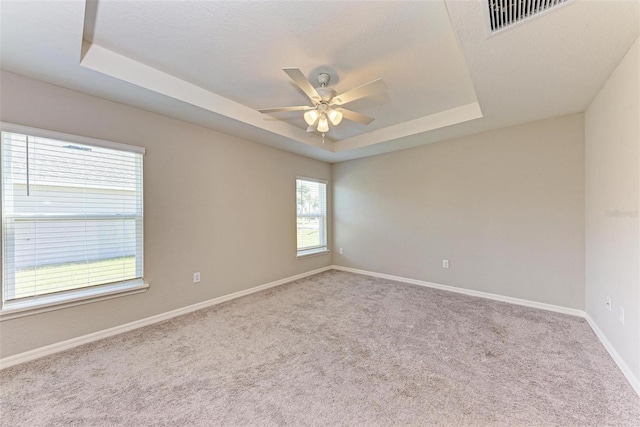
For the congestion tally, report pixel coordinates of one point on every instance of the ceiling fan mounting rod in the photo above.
(324, 79)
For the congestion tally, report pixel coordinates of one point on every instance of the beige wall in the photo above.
(213, 203)
(505, 207)
(612, 140)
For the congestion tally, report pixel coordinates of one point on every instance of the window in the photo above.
(71, 219)
(311, 209)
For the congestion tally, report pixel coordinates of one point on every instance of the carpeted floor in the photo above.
(333, 349)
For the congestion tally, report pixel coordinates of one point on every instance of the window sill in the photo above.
(13, 310)
(312, 252)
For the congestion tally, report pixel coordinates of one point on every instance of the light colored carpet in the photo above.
(333, 349)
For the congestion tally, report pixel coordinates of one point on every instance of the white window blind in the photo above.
(311, 204)
(72, 218)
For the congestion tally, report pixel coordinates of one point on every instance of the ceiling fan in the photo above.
(327, 103)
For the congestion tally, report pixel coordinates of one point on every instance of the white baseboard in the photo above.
(74, 342)
(480, 294)
(633, 380)
(95, 336)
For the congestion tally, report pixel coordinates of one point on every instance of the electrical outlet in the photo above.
(196, 277)
(622, 315)
(341, 251)
(608, 303)
(445, 263)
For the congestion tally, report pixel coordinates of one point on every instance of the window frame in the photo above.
(320, 249)
(11, 309)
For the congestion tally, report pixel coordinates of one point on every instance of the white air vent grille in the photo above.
(504, 13)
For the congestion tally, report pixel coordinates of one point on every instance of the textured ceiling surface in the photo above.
(214, 63)
(237, 50)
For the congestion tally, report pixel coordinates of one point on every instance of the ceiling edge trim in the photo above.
(442, 119)
(105, 61)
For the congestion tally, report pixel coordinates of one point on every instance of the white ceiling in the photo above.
(214, 63)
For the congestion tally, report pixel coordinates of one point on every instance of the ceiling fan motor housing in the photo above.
(326, 94)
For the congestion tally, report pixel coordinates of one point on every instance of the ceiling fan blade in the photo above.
(299, 79)
(278, 109)
(372, 88)
(355, 117)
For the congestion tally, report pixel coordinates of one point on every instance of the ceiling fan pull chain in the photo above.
(323, 137)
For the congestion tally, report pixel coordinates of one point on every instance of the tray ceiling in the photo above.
(215, 63)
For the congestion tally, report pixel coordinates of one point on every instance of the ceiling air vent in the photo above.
(505, 13)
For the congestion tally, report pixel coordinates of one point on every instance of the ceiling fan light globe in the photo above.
(323, 124)
(311, 117)
(335, 116)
